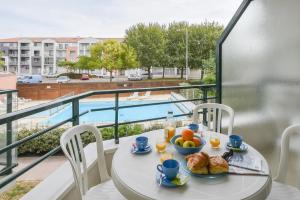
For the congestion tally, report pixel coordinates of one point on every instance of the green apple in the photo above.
(179, 141)
(188, 144)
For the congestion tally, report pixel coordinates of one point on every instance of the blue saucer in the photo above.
(135, 150)
(242, 148)
(180, 180)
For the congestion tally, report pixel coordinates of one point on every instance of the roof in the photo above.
(57, 39)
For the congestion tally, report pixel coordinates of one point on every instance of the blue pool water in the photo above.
(126, 114)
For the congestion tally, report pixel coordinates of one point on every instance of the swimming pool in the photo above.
(126, 114)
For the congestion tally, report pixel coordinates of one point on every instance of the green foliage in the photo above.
(165, 46)
(72, 75)
(113, 55)
(149, 43)
(67, 64)
(209, 79)
(19, 190)
(87, 63)
(50, 140)
(1, 61)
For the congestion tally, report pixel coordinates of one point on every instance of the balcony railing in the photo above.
(24, 62)
(13, 47)
(7, 100)
(74, 100)
(24, 47)
(25, 55)
(13, 55)
(13, 62)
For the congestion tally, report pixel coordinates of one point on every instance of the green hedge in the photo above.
(50, 140)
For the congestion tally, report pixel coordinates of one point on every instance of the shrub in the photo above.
(209, 79)
(50, 140)
(72, 75)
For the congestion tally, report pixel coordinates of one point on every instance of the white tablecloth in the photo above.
(135, 177)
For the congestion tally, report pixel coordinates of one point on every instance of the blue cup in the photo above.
(194, 127)
(169, 168)
(141, 142)
(235, 141)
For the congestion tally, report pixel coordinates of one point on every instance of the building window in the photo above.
(36, 53)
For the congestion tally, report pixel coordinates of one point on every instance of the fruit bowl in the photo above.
(187, 150)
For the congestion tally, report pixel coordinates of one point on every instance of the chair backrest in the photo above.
(72, 147)
(214, 116)
(283, 163)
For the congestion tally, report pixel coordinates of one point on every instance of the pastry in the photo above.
(217, 165)
(198, 162)
(202, 170)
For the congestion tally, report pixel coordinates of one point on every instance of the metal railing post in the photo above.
(116, 132)
(75, 112)
(204, 91)
(9, 133)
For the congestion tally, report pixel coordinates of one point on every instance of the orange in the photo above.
(197, 141)
(187, 134)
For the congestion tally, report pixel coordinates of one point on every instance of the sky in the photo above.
(103, 18)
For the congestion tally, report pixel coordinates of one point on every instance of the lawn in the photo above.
(19, 190)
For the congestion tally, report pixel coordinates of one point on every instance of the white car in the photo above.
(135, 77)
(63, 79)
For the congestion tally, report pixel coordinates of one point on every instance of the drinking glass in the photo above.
(161, 143)
(214, 140)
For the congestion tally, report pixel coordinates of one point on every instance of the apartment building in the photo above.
(42, 55)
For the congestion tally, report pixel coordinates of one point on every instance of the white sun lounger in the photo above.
(146, 96)
(135, 95)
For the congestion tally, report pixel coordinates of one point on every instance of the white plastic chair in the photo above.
(72, 147)
(279, 189)
(214, 116)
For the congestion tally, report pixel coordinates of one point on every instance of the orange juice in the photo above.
(169, 133)
(161, 147)
(215, 142)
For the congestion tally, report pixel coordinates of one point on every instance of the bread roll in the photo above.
(217, 165)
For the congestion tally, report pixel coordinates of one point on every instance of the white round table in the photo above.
(135, 176)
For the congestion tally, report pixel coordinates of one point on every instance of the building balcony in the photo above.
(13, 63)
(25, 47)
(24, 62)
(13, 55)
(13, 47)
(25, 55)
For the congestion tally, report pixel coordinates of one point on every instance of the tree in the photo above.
(1, 61)
(148, 42)
(113, 55)
(176, 44)
(67, 64)
(202, 44)
(87, 63)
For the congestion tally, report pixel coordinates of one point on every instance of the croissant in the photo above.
(198, 162)
(218, 165)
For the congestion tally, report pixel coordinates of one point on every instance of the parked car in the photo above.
(20, 79)
(51, 75)
(98, 75)
(85, 77)
(63, 79)
(135, 77)
(31, 79)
